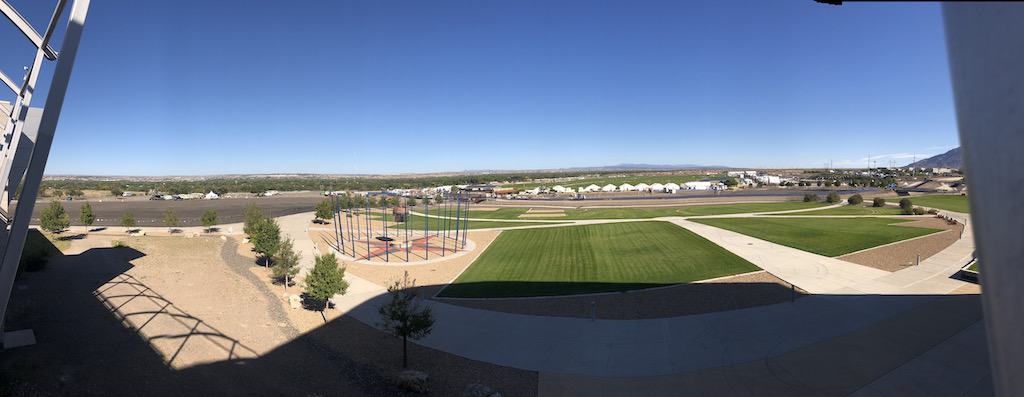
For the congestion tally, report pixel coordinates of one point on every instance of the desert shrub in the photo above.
(919, 211)
(810, 198)
(118, 244)
(833, 198)
(878, 202)
(933, 211)
(906, 204)
(855, 199)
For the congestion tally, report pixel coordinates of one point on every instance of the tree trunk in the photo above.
(405, 352)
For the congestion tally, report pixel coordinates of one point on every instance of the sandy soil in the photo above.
(190, 316)
(901, 255)
(730, 293)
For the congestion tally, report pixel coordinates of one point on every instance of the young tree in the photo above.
(907, 206)
(252, 216)
(404, 317)
(833, 198)
(209, 219)
(266, 238)
(324, 211)
(87, 217)
(411, 201)
(810, 198)
(731, 182)
(878, 202)
(54, 219)
(286, 263)
(128, 221)
(325, 280)
(170, 220)
(855, 199)
(117, 192)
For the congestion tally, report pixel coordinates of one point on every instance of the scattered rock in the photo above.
(414, 381)
(223, 237)
(295, 302)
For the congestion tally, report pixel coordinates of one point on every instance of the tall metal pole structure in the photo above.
(349, 218)
(384, 217)
(35, 154)
(465, 226)
(426, 229)
(444, 235)
(405, 220)
(369, 229)
(458, 215)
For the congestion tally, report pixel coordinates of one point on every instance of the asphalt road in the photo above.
(189, 212)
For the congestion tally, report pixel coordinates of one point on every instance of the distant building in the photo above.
(657, 187)
(609, 188)
(211, 196)
(698, 185)
(625, 187)
(643, 187)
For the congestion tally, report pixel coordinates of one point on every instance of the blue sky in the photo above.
(205, 87)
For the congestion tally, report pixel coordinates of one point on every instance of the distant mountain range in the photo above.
(950, 159)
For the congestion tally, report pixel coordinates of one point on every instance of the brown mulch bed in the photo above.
(731, 293)
(902, 255)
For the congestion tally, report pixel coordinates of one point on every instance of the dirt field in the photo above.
(190, 316)
(904, 254)
(151, 212)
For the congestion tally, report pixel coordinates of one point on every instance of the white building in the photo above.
(657, 187)
(592, 188)
(671, 187)
(608, 188)
(560, 189)
(625, 187)
(697, 185)
(643, 187)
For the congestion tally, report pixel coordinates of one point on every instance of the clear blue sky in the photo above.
(201, 87)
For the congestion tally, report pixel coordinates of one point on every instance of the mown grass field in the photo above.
(824, 236)
(643, 212)
(593, 258)
(955, 203)
(416, 222)
(852, 210)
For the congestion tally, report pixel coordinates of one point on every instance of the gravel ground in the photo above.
(730, 293)
(901, 255)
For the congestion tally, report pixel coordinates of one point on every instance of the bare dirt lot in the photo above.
(904, 254)
(151, 212)
(190, 316)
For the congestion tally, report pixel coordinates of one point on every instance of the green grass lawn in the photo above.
(852, 210)
(643, 212)
(973, 267)
(593, 258)
(824, 236)
(955, 203)
(416, 223)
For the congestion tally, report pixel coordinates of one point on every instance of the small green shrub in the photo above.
(855, 199)
(833, 198)
(933, 211)
(906, 204)
(878, 202)
(919, 211)
(118, 244)
(811, 198)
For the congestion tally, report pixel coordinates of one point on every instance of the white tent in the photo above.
(657, 187)
(560, 189)
(625, 187)
(699, 185)
(671, 187)
(608, 188)
(643, 187)
(211, 196)
(592, 188)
